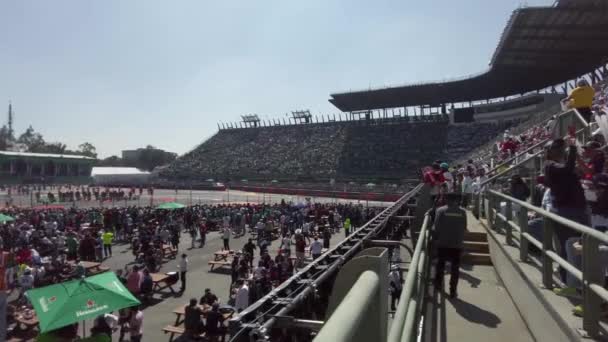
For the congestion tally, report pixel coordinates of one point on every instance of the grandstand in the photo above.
(375, 150)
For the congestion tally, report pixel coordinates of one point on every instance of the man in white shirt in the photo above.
(242, 297)
(316, 248)
(467, 188)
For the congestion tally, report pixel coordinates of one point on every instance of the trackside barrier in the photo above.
(591, 275)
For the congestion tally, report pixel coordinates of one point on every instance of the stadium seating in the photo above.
(361, 151)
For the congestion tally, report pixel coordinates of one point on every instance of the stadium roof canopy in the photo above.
(44, 155)
(539, 48)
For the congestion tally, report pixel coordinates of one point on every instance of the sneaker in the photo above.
(578, 311)
(570, 292)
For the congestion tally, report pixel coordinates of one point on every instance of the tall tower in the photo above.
(10, 121)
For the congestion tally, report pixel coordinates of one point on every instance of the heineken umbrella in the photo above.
(63, 304)
(6, 218)
(171, 206)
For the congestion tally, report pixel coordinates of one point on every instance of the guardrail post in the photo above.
(509, 217)
(592, 274)
(489, 206)
(547, 246)
(522, 222)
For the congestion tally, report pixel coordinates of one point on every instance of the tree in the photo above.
(32, 139)
(111, 161)
(56, 147)
(87, 149)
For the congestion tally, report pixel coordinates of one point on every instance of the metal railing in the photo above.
(591, 276)
(257, 321)
(409, 310)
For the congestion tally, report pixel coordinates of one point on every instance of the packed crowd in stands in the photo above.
(379, 152)
(49, 246)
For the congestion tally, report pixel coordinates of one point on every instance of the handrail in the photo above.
(509, 169)
(341, 325)
(400, 331)
(580, 228)
(590, 275)
(520, 154)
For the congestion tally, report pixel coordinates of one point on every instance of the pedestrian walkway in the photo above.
(483, 310)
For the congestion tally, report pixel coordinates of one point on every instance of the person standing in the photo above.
(107, 239)
(316, 248)
(192, 230)
(450, 225)
(242, 297)
(347, 226)
(193, 322)
(136, 325)
(226, 237)
(183, 268)
(467, 187)
(581, 99)
(395, 285)
(567, 195)
(203, 232)
(326, 237)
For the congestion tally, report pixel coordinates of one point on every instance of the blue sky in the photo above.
(124, 74)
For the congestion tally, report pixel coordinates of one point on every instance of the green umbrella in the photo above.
(6, 218)
(63, 304)
(171, 206)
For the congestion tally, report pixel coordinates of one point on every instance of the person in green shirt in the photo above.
(347, 225)
(107, 239)
(72, 244)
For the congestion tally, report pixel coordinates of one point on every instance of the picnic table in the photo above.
(161, 281)
(221, 258)
(91, 267)
(180, 311)
(169, 251)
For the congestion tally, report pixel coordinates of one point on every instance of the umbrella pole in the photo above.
(84, 323)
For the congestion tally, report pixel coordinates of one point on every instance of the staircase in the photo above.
(476, 251)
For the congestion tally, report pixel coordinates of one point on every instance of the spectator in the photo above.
(134, 280)
(581, 99)
(395, 285)
(214, 326)
(242, 296)
(107, 238)
(208, 298)
(450, 225)
(226, 237)
(136, 324)
(568, 199)
(193, 323)
(183, 269)
(316, 248)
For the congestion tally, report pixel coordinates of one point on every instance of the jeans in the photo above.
(227, 244)
(108, 250)
(453, 256)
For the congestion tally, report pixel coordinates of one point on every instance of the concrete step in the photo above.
(476, 258)
(476, 236)
(476, 247)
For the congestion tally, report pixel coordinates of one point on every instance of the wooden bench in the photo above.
(169, 251)
(173, 330)
(220, 263)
